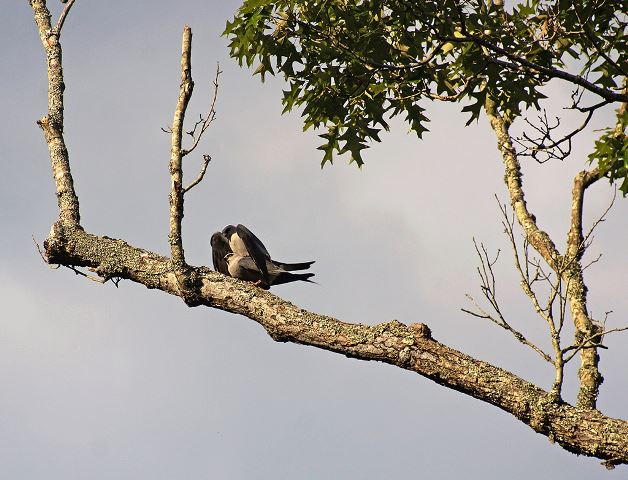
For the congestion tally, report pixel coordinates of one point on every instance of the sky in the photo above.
(102, 382)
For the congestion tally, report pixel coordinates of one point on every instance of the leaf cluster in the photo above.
(352, 65)
(611, 153)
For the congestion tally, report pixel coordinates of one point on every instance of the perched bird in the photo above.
(244, 268)
(220, 250)
(237, 252)
(243, 242)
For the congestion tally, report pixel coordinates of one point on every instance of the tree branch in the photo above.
(52, 123)
(488, 287)
(533, 147)
(516, 63)
(199, 179)
(62, 17)
(176, 153)
(568, 267)
(538, 238)
(590, 377)
(207, 121)
(411, 347)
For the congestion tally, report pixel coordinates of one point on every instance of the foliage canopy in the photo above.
(352, 65)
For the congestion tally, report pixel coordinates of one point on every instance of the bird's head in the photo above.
(217, 239)
(228, 231)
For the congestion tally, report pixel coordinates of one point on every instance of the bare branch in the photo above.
(506, 326)
(576, 104)
(568, 267)
(176, 153)
(206, 121)
(198, 122)
(594, 341)
(83, 274)
(199, 179)
(538, 238)
(62, 17)
(602, 218)
(547, 312)
(544, 144)
(488, 287)
(52, 123)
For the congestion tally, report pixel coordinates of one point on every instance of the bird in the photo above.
(245, 268)
(220, 250)
(237, 252)
(243, 242)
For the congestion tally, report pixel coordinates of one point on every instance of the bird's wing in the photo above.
(249, 237)
(220, 249)
(255, 248)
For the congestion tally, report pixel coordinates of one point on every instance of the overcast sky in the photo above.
(101, 382)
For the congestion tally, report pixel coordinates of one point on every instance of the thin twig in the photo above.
(488, 288)
(41, 254)
(602, 217)
(204, 122)
(62, 17)
(83, 274)
(589, 342)
(506, 326)
(206, 160)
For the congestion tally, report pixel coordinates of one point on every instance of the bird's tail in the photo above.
(287, 277)
(290, 267)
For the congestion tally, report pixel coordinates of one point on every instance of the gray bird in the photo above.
(244, 243)
(237, 252)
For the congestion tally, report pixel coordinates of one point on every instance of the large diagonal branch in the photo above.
(410, 347)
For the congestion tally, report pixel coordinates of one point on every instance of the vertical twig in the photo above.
(176, 154)
(63, 16)
(590, 377)
(52, 123)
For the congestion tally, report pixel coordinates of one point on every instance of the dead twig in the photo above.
(199, 179)
(206, 121)
(83, 274)
(593, 341)
(62, 17)
(488, 288)
(41, 254)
